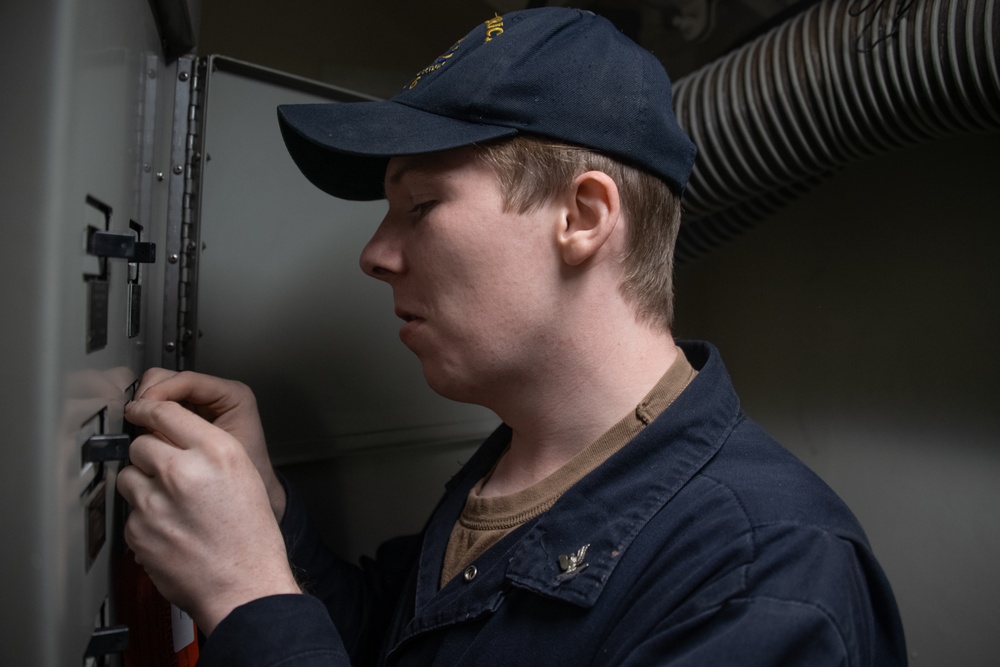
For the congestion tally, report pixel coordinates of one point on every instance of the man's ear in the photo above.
(592, 213)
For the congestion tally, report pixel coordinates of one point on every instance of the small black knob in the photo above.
(104, 641)
(112, 447)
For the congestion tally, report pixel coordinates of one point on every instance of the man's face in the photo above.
(475, 285)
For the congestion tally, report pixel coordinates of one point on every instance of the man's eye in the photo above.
(423, 208)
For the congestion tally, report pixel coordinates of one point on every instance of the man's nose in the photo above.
(382, 256)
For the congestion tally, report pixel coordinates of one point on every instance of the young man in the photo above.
(626, 512)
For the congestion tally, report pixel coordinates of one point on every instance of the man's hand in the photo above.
(229, 405)
(201, 522)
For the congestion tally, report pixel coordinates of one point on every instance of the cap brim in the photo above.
(343, 148)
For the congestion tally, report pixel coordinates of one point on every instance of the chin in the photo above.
(451, 385)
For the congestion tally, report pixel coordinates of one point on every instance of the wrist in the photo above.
(222, 606)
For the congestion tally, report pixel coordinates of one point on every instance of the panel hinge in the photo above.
(181, 275)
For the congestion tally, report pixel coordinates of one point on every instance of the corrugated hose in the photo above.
(842, 81)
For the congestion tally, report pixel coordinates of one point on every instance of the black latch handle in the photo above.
(105, 641)
(121, 246)
(106, 447)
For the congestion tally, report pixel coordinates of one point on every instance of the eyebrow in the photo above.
(415, 165)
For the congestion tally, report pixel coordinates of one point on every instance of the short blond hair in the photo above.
(533, 170)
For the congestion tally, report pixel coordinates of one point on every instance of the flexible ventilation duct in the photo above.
(842, 81)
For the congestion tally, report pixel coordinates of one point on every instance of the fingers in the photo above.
(207, 395)
(173, 422)
(152, 377)
(187, 409)
(133, 484)
(197, 388)
(151, 454)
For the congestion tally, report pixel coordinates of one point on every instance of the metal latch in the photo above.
(106, 641)
(106, 447)
(122, 246)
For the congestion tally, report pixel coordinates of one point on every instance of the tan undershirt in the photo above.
(485, 521)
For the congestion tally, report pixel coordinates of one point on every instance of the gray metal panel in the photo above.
(80, 83)
(282, 302)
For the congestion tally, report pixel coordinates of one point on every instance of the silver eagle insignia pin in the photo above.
(573, 564)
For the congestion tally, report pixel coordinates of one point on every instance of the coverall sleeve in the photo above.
(338, 621)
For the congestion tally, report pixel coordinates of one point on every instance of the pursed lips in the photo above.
(411, 324)
(406, 316)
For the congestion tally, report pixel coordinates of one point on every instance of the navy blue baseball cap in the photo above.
(564, 74)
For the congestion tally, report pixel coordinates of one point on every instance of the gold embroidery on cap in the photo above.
(494, 28)
(438, 63)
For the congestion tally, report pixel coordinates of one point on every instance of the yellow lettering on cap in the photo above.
(494, 27)
(438, 63)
